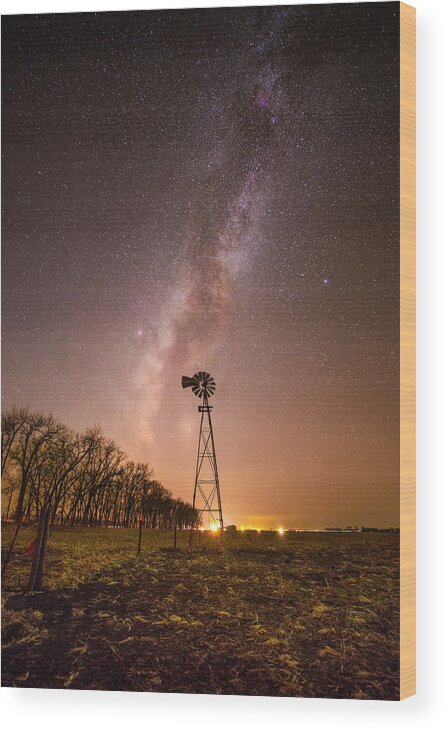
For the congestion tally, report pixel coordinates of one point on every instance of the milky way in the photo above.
(222, 229)
(218, 190)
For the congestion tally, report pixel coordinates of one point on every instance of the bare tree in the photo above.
(80, 478)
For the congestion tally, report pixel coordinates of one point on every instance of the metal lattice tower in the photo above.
(206, 494)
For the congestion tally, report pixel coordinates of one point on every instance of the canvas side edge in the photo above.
(407, 351)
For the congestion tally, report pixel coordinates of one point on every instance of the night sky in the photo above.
(217, 190)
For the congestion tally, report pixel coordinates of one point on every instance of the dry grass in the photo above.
(303, 615)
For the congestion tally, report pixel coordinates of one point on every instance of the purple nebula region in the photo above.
(262, 100)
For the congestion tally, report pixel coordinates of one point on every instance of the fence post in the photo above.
(38, 563)
(140, 534)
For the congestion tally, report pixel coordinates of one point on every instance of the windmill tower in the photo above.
(206, 494)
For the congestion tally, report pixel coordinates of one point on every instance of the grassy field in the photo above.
(313, 615)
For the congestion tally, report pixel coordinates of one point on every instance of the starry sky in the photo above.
(217, 190)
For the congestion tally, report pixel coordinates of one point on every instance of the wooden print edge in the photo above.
(407, 351)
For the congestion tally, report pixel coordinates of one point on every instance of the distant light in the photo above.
(242, 529)
(258, 530)
(325, 280)
(280, 531)
(214, 528)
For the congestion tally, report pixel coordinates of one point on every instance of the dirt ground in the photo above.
(251, 614)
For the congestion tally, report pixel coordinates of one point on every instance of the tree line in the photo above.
(82, 478)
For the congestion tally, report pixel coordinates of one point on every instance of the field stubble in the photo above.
(314, 615)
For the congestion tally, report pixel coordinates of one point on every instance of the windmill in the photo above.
(206, 494)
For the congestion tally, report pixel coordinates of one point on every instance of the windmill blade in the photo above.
(210, 386)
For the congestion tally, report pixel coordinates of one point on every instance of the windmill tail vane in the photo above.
(187, 382)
